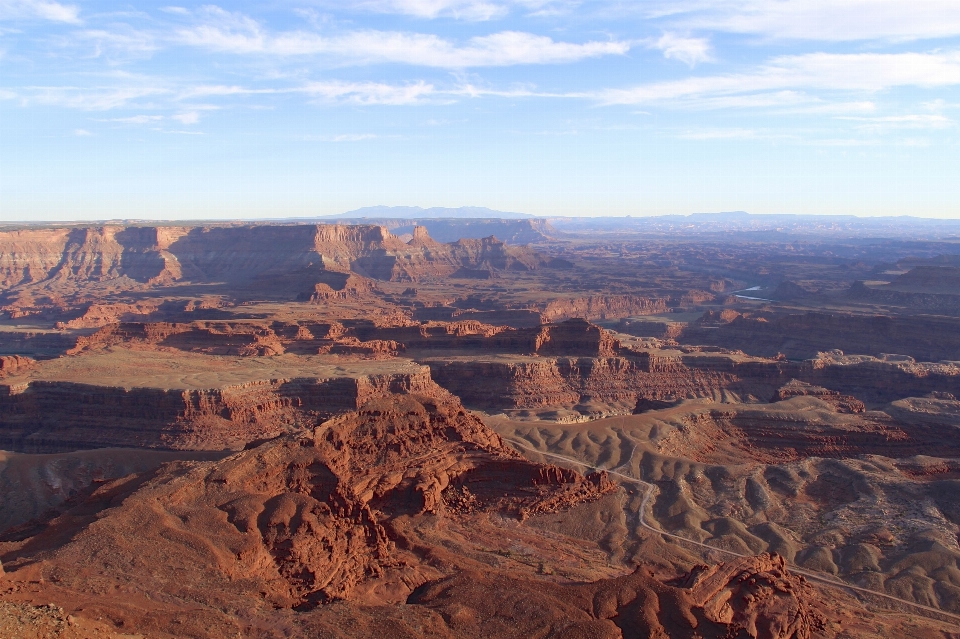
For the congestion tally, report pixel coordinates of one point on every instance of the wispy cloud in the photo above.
(458, 9)
(118, 40)
(344, 137)
(371, 93)
(85, 98)
(82, 133)
(136, 119)
(190, 117)
(909, 121)
(830, 20)
(816, 71)
(719, 134)
(239, 34)
(471, 10)
(39, 9)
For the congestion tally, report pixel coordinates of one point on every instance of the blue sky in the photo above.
(551, 107)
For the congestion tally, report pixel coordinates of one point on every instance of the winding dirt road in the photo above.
(819, 577)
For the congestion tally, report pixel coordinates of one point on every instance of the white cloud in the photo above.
(345, 137)
(371, 93)
(121, 41)
(459, 9)
(86, 98)
(137, 119)
(822, 71)
(42, 9)
(719, 134)
(81, 133)
(911, 121)
(690, 51)
(472, 10)
(237, 33)
(190, 117)
(831, 20)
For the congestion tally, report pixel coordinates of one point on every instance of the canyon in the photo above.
(355, 429)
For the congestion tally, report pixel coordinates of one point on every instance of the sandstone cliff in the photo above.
(47, 416)
(269, 255)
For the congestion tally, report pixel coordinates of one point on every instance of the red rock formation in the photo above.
(842, 403)
(754, 598)
(804, 335)
(97, 315)
(305, 519)
(373, 349)
(602, 307)
(41, 416)
(757, 597)
(87, 254)
(14, 364)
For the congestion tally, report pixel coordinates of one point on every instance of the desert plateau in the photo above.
(674, 427)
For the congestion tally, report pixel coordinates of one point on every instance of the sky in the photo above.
(291, 108)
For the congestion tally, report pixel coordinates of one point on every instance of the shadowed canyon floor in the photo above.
(339, 430)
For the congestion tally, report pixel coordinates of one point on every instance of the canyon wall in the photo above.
(268, 253)
(928, 338)
(47, 416)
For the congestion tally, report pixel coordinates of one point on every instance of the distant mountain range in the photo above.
(419, 213)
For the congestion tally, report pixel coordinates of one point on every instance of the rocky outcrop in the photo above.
(97, 315)
(14, 364)
(211, 338)
(753, 598)
(756, 597)
(602, 307)
(338, 287)
(373, 349)
(841, 403)
(650, 328)
(305, 519)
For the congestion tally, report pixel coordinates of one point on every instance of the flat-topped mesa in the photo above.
(221, 404)
(602, 307)
(572, 338)
(575, 337)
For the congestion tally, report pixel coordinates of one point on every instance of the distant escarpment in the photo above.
(278, 258)
(557, 309)
(923, 337)
(524, 231)
(913, 296)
